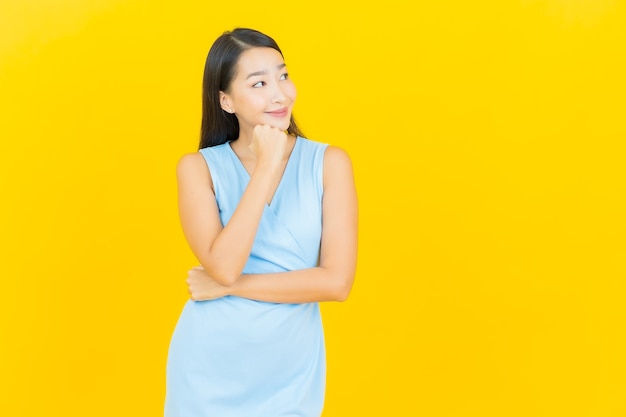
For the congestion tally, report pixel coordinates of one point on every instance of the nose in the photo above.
(278, 95)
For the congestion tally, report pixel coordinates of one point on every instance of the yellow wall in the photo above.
(488, 142)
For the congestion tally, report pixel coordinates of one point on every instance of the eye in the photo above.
(259, 84)
(284, 76)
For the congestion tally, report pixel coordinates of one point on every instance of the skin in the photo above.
(262, 96)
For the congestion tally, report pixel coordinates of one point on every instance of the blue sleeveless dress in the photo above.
(235, 357)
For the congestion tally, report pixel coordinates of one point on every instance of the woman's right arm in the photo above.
(224, 251)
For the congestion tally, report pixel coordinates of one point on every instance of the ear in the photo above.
(225, 103)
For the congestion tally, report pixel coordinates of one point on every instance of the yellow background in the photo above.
(488, 143)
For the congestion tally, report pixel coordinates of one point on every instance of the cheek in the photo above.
(251, 101)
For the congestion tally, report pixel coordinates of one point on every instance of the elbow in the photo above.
(223, 271)
(221, 276)
(343, 288)
(225, 278)
(341, 297)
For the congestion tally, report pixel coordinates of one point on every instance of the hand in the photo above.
(269, 145)
(202, 287)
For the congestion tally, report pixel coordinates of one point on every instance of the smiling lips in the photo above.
(279, 113)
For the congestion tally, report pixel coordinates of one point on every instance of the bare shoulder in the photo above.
(336, 158)
(337, 167)
(192, 166)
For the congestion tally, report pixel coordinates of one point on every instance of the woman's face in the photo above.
(261, 92)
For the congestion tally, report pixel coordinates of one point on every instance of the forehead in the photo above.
(258, 59)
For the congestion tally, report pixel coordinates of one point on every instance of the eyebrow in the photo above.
(257, 73)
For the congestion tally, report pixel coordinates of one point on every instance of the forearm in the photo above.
(301, 286)
(230, 250)
(224, 250)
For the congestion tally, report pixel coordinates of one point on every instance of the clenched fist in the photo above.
(269, 145)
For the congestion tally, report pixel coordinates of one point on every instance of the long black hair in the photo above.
(219, 126)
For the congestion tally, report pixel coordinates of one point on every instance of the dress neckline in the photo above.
(245, 172)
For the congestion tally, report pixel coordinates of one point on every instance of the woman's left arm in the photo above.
(332, 279)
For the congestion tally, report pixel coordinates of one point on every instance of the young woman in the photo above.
(272, 218)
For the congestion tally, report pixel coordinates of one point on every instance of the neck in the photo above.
(245, 135)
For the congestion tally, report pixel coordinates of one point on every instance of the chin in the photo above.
(280, 126)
